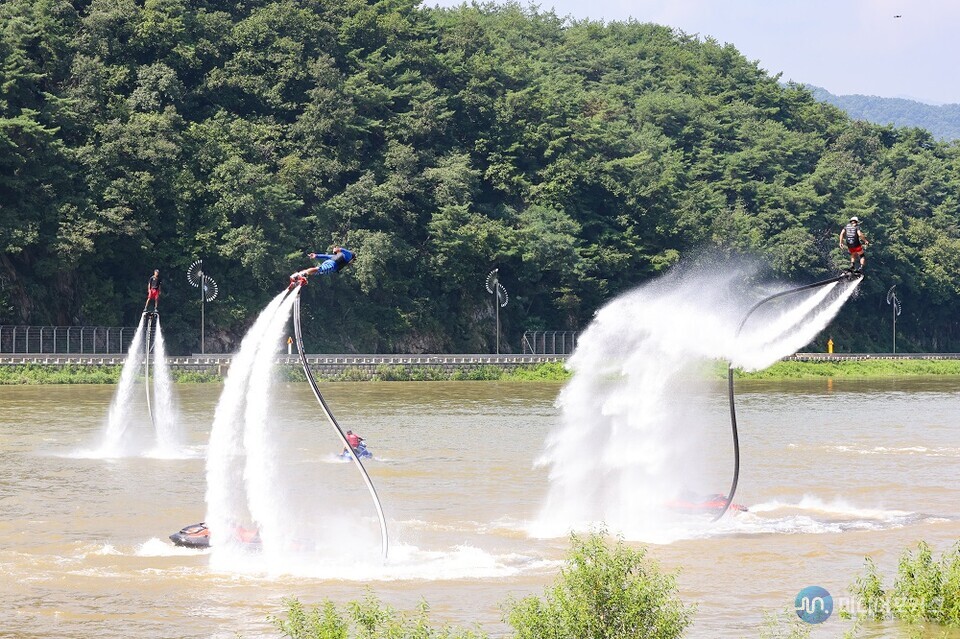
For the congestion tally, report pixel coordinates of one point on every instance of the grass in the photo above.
(547, 372)
(863, 368)
(36, 374)
(30, 374)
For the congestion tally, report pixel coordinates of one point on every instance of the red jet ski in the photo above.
(703, 505)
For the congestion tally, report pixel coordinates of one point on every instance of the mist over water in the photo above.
(630, 438)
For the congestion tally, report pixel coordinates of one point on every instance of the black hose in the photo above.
(333, 422)
(149, 319)
(730, 394)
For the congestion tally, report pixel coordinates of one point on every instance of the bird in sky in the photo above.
(898, 16)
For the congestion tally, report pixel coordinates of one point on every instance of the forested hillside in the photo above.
(942, 121)
(581, 159)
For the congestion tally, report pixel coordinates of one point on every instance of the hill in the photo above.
(942, 121)
(580, 158)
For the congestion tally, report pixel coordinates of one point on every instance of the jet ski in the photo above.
(703, 505)
(198, 536)
(360, 451)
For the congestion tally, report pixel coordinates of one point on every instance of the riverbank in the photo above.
(85, 374)
(545, 372)
(853, 369)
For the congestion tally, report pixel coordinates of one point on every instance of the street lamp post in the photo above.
(495, 288)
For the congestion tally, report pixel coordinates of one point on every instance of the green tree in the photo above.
(604, 592)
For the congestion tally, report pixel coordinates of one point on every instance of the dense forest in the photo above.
(580, 158)
(942, 121)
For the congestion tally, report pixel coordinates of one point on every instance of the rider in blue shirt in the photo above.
(329, 263)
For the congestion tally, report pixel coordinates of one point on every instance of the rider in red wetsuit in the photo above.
(153, 291)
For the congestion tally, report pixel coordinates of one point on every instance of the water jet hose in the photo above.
(336, 426)
(730, 396)
(146, 363)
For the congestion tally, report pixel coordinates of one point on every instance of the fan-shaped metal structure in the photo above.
(894, 301)
(495, 288)
(208, 292)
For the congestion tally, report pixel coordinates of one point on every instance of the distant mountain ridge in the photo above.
(942, 121)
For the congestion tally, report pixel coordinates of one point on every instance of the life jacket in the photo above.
(342, 258)
(353, 440)
(851, 235)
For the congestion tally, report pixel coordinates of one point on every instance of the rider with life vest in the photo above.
(354, 440)
(330, 263)
(853, 239)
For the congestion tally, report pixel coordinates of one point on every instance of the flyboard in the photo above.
(333, 420)
(730, 394)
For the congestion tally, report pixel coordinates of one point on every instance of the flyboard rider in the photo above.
(853, 239)
(330, 263)
(153, 290)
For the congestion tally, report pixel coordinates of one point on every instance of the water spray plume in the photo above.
(252, 486)
(120, 414)
(263, 477)
(226, 455)
(630, 439)
(169, 437)
(124, 434)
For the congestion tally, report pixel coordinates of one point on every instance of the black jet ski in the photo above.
(198, 536)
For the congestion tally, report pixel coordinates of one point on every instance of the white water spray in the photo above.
(262, 475)
(166, 421)
(256, 483)
(126, 432)
(120, 416)
(226, 495)
(630, 436)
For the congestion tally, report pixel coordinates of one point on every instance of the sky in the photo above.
(844, 46)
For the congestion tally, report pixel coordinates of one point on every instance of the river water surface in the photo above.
(831, 470)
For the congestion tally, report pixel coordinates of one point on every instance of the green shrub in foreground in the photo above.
(604, 592)
(369, 619)
(924, 590)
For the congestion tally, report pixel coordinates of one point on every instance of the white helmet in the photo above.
(855, 219)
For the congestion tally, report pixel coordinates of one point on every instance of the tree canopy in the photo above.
(580, 158)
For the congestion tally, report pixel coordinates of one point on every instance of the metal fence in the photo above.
(83, 340)
(549, 342)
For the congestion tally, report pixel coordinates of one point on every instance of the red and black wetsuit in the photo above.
(851, 237)
(153, 288)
